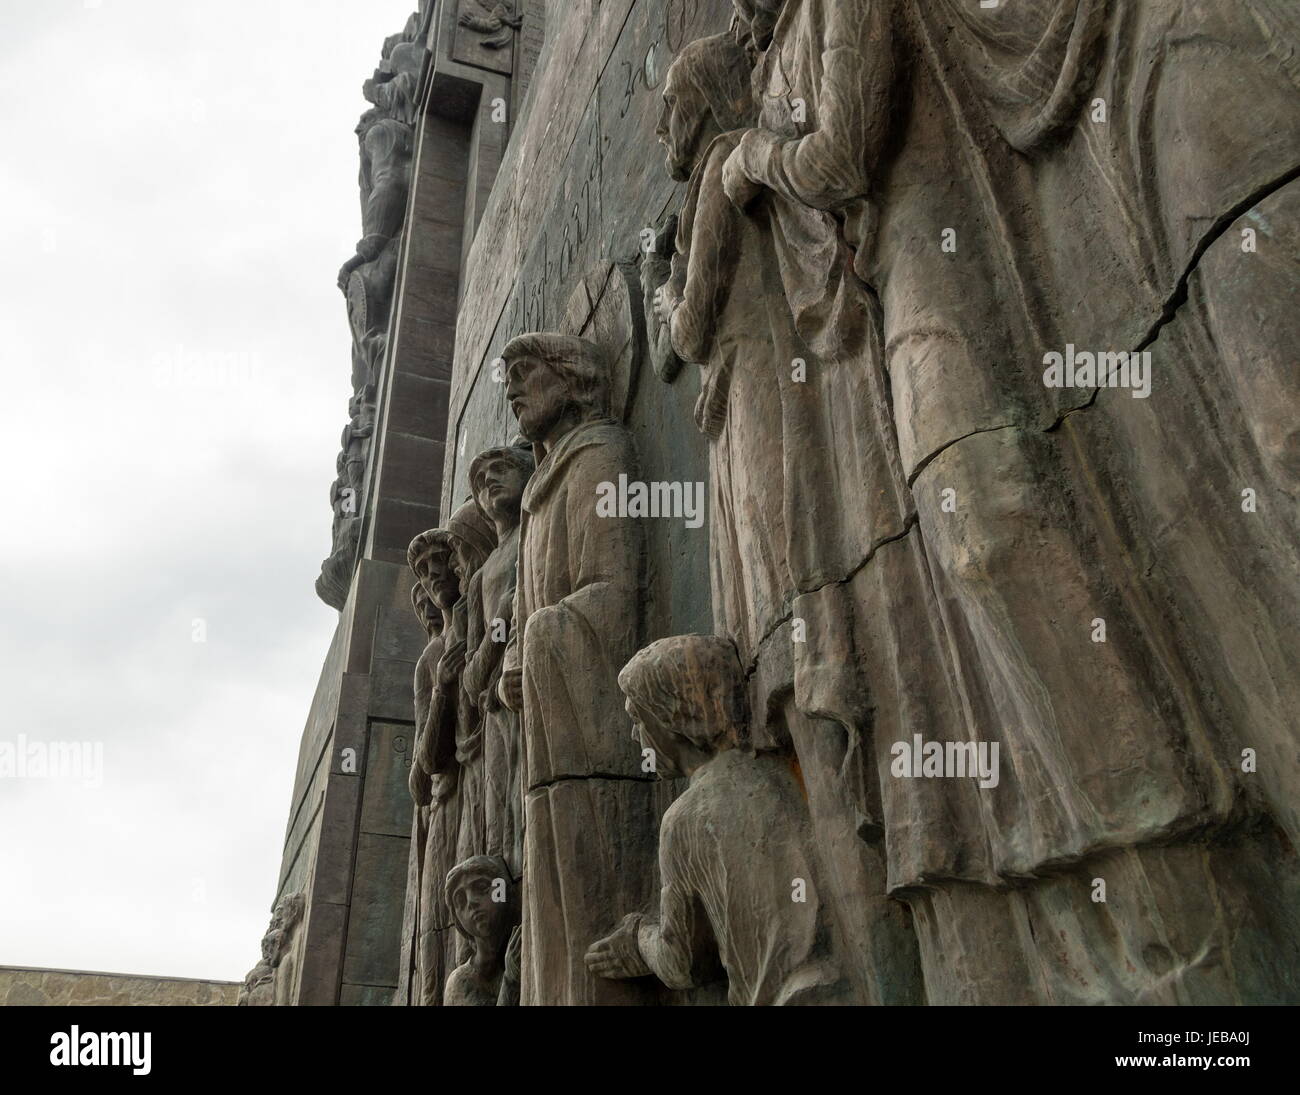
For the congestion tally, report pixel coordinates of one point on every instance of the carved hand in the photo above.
(511, 689)
(443, 785)
(617, 955)
(451, 666)
(665, 301)
(345, 271)
(736, 183)
(418, 782)
(514, 952)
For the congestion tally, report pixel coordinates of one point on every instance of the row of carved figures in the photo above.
(893, 211)
(386, 145)
(501, 721)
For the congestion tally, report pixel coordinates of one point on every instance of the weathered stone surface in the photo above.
(858, 171)
(274, 980)
(576, 616)
(368, 280)
(1008, 650)
(375, 921)
(484, 903)
(740, 885)
(21, 987)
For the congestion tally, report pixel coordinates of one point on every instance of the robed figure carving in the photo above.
(456, 719)
(793, 438)
(498, 478)
(741, 885)
(1006, 183)
(368, 278)
(432, 783)
(590, 814)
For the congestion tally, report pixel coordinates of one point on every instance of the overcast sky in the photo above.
(179, 187)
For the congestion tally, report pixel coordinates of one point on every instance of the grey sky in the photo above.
(179, 189)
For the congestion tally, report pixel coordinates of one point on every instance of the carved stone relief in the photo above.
(273, 981)
(433, 789)
(741, 885)
(385, 137)
(576, 622)
(770, 407)
(861, 168)
(990, 324)
(483, 899)
(498, 477)
(486, 31)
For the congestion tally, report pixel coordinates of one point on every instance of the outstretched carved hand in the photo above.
(508, 994)
(511, 689)
(736, 183)
(617, 955)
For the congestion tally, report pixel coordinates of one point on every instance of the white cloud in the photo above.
(179, 190)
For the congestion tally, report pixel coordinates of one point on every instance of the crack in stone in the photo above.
(594, 775)
(916, 472)
(1182, 289)
(908, 525)
(1170, 310)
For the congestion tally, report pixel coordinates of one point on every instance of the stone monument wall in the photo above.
(951, 289)
(20, 987)
(582, 177)
(859, 564)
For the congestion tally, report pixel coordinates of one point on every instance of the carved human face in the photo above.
(668, 762)
(487, 921)
(538, 396)
(443, 580)
(439, 583)
(424, 609)
(500, 490)
(678, 129)
(465, 562)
